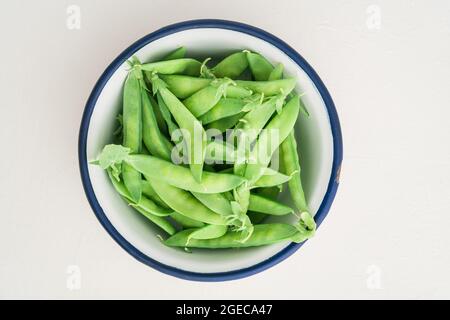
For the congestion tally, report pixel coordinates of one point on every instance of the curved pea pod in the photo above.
(291, 163)
(259, 66)
(184, 86)
(193, 133)
(224, 124)
(185, 66)
(154, 168)
(271, 178)
(269, 88)
(263, 234)
(219, 152)
(158, 220)
(153, 139)
(208, 232)
(216, 202)
(277, 72)
(281, 124)
(165, 113)
(178, 53)
(186, 222)
(132, 122)
(268, 206)
(205, 99)
(184, 203)
(149, 192)
(179, 176)
(225, 107)
(232, 66)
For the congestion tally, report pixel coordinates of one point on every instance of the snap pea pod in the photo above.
(149, 192)
(224, 124)
(184, 86)
(232, 66)
(141, 208)
(277, 72)
(205, 99)
(178, 53)
(263, 234)
(207, 232)
(216, 202)
(185, 66)
(268, 206)
(184, 203)
(164, 171)
(153, 139)
(259, 66)
(225, 107)
(271, 178)
(283, 123)
(159, 221)
(289, 157)
(132, 115)
(171, 125)
(193, 134)
(248, 129)
(186, 222)
(179, 176)
(269, 88)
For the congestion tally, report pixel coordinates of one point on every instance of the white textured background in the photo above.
(391, 216)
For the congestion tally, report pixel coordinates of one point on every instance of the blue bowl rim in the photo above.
(221, 24)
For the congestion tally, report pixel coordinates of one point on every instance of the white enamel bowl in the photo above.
(319, 139)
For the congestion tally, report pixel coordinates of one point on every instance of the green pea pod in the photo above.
(271, 178)
(224, 124)
(225, 107)
(260, 67)
(290, 160)
(171, 125)
(184, 86)
(164, 171)
(185, 66)
(269, 88)
(205, 99)
(179, 176)
(132, 131)
(149, 192)
(159, 221)
(151, 207)
(277, 72)
(232, 66)
(193, 133)
(154, 140)
(207, 232)
(263, 234)
(178, 53)
(283, 123)
(184, 203)
(268, 206)
(186, 222)
(216, 202)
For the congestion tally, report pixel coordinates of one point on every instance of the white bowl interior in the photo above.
(314, 139)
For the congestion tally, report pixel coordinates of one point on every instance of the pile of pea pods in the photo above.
(186, 153)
